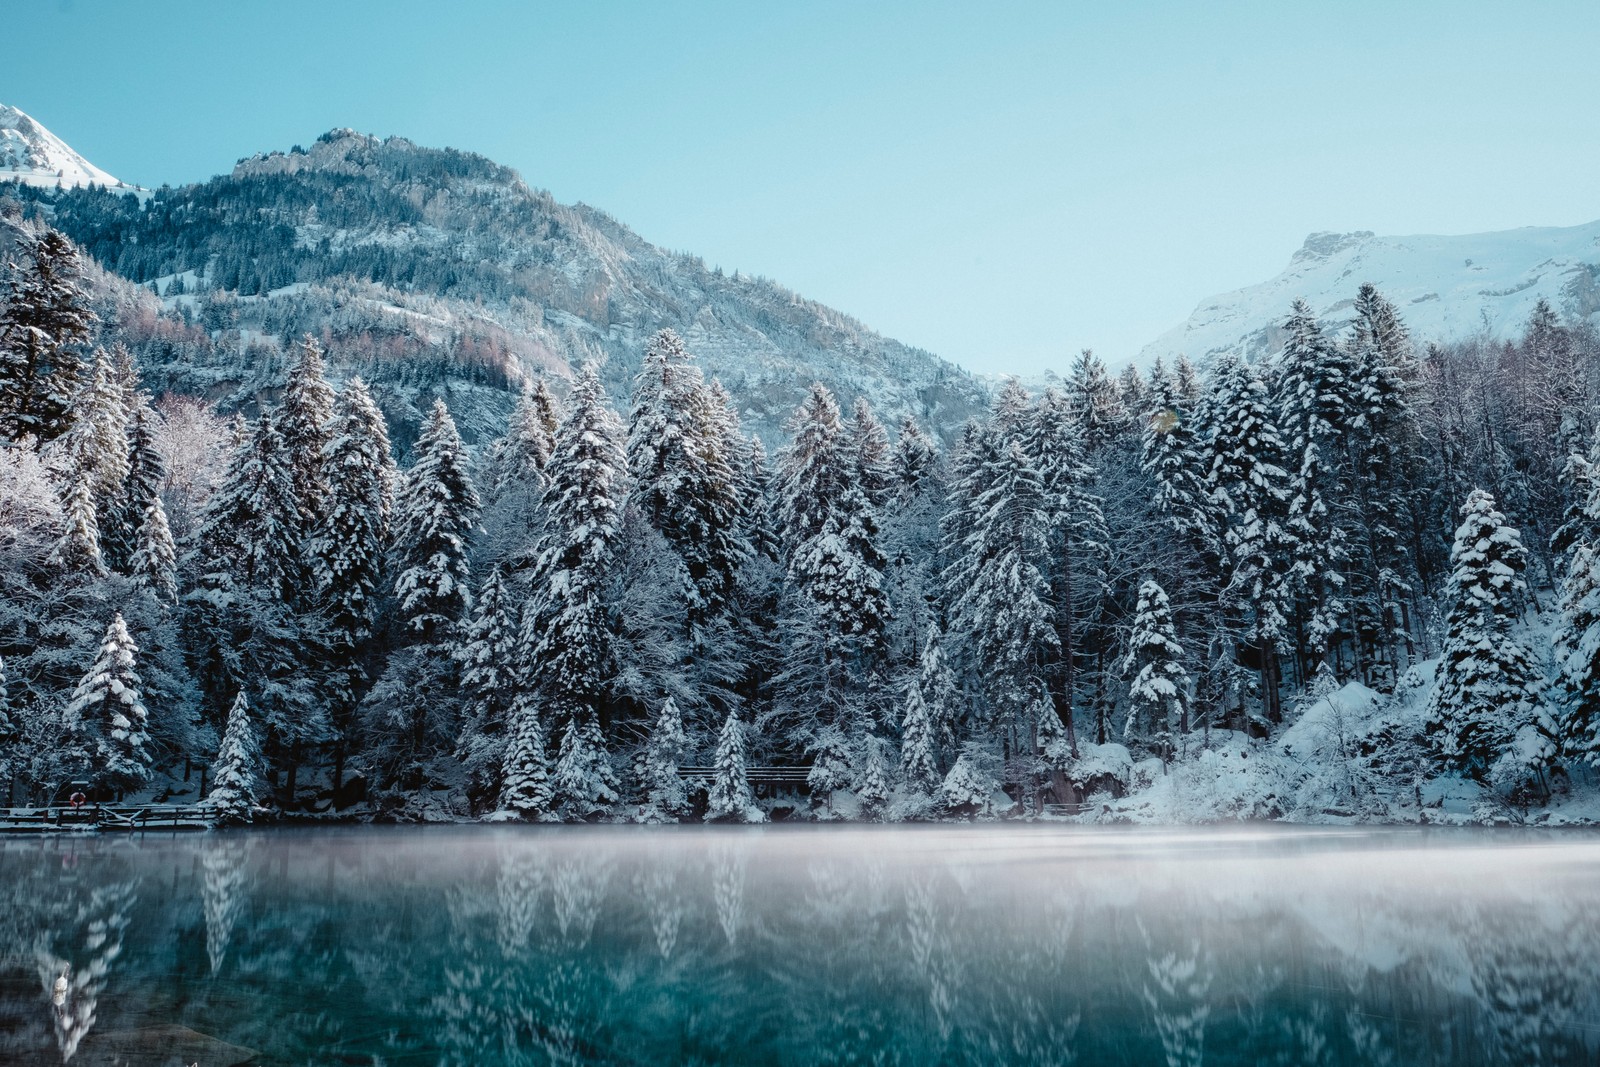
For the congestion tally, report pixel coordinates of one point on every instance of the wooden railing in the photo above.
(54, 817)
(754, 775)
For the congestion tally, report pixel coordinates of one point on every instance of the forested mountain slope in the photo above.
(440, 273)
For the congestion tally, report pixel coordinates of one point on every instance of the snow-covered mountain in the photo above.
(32, 155)
(434, 272)
(1447, 288)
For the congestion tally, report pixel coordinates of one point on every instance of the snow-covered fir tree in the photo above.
(304, 420)
(1314, 389)
(566, 644)
(435, 512)
(585, 784)
(352, 523)
(1489, 685)
(235, 770)
(867, 455)
(729, 797)
(812, 471)
(104, 727)
(1158, 691)
(487, 654)
(919, 765)
(664, 795)
(77, 550)
(44, 322)
(526, 790)
(154, 564)
(517, 460)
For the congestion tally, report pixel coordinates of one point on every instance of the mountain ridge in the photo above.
(1447, 288)
(396, 253)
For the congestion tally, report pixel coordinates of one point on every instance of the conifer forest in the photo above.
(1357, 578)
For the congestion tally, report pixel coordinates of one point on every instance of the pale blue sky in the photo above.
(1000, 183)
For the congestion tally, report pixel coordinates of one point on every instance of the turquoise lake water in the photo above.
(874, 945)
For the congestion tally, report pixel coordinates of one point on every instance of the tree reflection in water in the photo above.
(926, 945)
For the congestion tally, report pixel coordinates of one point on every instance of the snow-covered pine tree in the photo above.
(940, 694)
(1077, 538)
(249, 530)
(519, 458)
(585, 784)
(526, 789)
(235, 771)
(1172, 458)
(1577, 648)
(435, 512)
(1005, 613)
(566, 646)
(1158, 695)
(488, 657)
(77, 551)
(1384, 469)
(759, 532)
(730, 798)
(357, 495)
(1010, 413)
(95, 445)
(841, 573)
(147, 474)
(44, 319)
(304, 420)
(812, 471)
(919, 764)
(664, 795)
(105, 725)
(966, 791)
(1249, 490)
(873, 787)
(1489, 685)
(866, 454)
(154, 564)
(914, 462)
(1096, 407)
(1314, 393)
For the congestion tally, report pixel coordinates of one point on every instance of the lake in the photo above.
(869, 945)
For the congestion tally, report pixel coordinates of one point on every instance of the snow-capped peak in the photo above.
(33, 155)
(1447, 288)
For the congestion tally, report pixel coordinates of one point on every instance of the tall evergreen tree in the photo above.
(154, 564)
(488, 657)
(1489, 686)
(77, 551)
(730, 796)
(1250, 494)
(44, 320)
(812, 471)
(867, 454)
(235, 771)
(1158, 694)
(105, 727)
(304, 420)
(567, 649)
(352, 529)
(664, 794)
(1314, 388)
(527, 790)
(1005, 613)
(435, 512)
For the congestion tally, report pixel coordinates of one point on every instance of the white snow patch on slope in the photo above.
(1446, 288)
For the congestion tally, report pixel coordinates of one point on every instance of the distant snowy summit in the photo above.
(1447, 288)
(32, 155)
